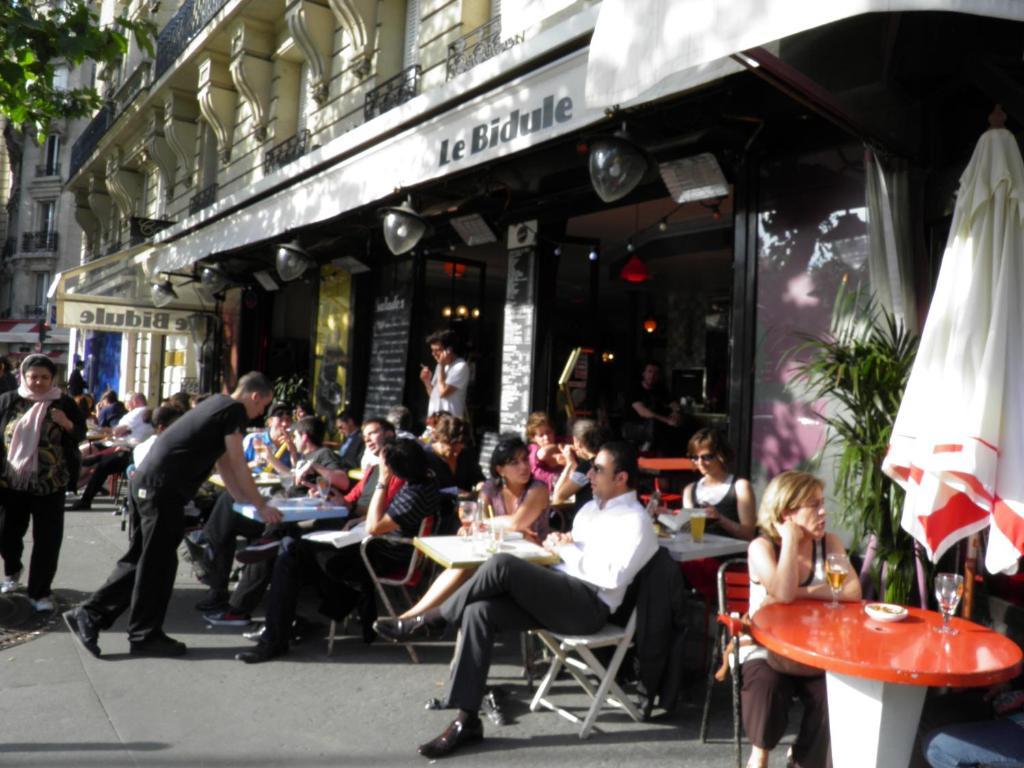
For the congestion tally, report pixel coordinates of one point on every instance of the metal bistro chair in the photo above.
(607, 690)
(404, 580)
(733, 602)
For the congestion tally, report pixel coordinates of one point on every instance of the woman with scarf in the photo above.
(41, 428)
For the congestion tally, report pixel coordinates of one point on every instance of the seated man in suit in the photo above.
(611, 540)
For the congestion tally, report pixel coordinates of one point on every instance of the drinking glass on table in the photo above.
(323, 486)
(698, 517)
(468, 510)
(836, 571)
(949, 588)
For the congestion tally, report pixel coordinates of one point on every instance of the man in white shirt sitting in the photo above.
(611, 540)
(134, 426)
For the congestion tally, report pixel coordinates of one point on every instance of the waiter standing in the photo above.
(180, 461)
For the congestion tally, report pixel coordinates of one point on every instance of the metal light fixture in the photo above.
(616, 165)
(291, 261)
(212, 279)
(694, 178)
(403, 227)
(162, 293)
(473, 229)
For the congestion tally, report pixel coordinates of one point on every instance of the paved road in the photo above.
(361, 706)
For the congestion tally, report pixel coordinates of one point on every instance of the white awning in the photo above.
(637, 44)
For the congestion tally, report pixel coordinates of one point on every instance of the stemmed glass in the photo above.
(949, 588)
(836, 571)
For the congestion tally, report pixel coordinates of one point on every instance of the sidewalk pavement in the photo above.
(364, 705)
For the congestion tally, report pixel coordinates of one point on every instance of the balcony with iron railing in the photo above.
(203, 199)
(286, 152)
(393, 92)
(34, 311)
(181, 30)
(32, 242)
(83, 148)
(48, 169)
(478, 46)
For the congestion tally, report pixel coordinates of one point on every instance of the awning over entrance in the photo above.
(113, 294)
(637, 44)
(27, 332)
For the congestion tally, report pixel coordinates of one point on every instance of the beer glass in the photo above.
(836, 571)
(697, 520)
(949, 588)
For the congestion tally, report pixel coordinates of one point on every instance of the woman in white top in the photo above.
(786, 563)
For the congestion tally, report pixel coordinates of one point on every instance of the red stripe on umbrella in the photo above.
(957, 513)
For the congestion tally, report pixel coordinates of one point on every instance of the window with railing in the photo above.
(483, 43)
(389, 94)
(51, 157)
(83, 147)
(34, 242)
(203, 199)
(286, 152)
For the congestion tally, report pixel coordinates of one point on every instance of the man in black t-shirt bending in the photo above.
(180, 461)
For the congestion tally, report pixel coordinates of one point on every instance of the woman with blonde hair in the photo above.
(787, 562)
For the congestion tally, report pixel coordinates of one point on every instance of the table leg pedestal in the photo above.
(872, 723)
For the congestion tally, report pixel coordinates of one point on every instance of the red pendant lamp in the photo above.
(635, 270)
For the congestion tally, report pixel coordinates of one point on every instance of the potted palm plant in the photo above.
(860, 367)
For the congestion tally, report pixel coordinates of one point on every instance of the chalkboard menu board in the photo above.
(385, 387)
(517, 348)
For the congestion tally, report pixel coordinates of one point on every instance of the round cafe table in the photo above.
(877, 673)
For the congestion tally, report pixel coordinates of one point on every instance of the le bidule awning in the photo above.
(637, 44)
(958, 442)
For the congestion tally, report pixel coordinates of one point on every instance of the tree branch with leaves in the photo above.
(37, 37)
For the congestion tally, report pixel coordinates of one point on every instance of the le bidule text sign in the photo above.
(107, 317)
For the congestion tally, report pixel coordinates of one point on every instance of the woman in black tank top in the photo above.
(728, 502)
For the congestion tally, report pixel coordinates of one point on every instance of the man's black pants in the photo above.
(143, 578)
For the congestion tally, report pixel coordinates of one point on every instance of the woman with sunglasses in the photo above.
(727, 500)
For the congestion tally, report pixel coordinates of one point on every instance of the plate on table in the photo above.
(886, 612)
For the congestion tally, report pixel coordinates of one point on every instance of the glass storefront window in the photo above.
(812, 237)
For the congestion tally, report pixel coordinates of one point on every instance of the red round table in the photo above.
(877, 673)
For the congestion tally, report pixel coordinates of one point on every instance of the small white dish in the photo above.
(886, 612)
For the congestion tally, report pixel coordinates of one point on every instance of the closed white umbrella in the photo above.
(958, 442)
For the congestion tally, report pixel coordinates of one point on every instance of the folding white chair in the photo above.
(607, 691)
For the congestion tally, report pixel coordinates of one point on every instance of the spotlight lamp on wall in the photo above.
(651, 324)
(163, 293)
(403, 227)
(291, 260)
(212, 279)
(617, 165)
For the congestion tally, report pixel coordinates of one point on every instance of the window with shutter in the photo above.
(411, 55)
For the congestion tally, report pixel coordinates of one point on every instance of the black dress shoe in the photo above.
(158, 646)
(82, 505)
(84, 629)
(402, 630)
(262, 652)
(454, 736)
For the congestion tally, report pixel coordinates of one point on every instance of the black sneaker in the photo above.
(258, 551)
(158, 646)
(214, 602)
(84, 629)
